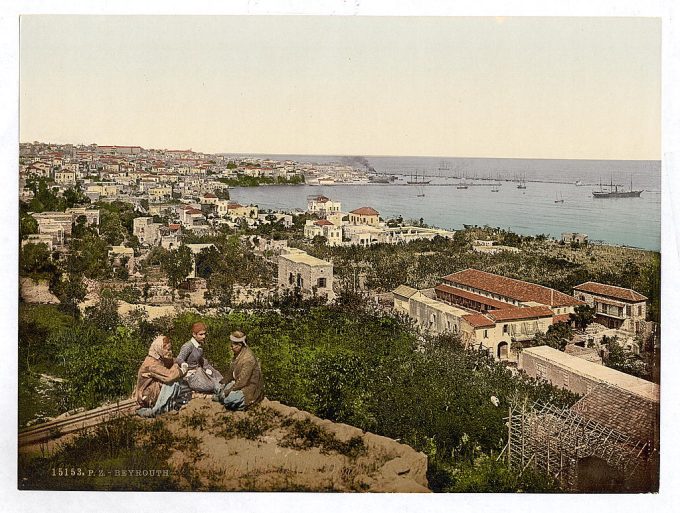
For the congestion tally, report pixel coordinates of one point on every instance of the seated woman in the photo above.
(159, 387)
(201, 376)
(247, 386)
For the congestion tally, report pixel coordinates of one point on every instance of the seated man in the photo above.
(246, 387)
(159, 388)
(201, 376)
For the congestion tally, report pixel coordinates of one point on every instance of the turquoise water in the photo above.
(629, 221)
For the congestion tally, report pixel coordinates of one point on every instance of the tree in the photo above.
(74, 196)
(27, 225)
(111, 229)
(208, 261)
(104, 314)
(177, 265)
(582, 316)
(44, 198)
(71, 291)
(557, 336)
(35, 259)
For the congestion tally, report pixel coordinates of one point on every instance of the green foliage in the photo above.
(487, 474)
(27, 225)
(104, 314)
(208, 261)
(582, 316)
(176, 264)
(129, 294)
(35, 260)
(620, 359)
(71, 291)
(44, 197)
(89, 255)
(74, 196)
(103, 370)
(254, 181)
(557, 336)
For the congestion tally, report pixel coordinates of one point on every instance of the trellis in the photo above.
(553, 440)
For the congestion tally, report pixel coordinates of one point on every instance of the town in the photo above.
(125, 237)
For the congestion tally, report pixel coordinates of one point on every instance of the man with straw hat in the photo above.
(246, 387)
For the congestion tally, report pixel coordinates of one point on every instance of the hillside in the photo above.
(272, 447)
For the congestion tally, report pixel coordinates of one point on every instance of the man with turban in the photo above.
(246, 387)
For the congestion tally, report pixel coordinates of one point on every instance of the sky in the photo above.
(554, 87)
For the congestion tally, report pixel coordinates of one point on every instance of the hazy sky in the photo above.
(481, 87)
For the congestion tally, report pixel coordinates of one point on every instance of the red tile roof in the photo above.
(478, 320)
(365, 211)
(519, 312)
(321, 199)
(193, 211)
(516, 289)
(209, 195)
(323, 222)
(610, 290)
(561, 318)
(448, 289)
(233, 205)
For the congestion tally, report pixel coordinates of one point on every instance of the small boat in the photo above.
(560, 199)
(578, 183)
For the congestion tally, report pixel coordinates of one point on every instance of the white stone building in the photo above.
(311, 275)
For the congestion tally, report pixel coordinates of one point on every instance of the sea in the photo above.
(558, 195)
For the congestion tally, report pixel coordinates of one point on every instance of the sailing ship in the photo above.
(614, 191)
(416, 181)
(522, 183)
(560, 199)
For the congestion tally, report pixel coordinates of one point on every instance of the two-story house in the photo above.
(615, 307)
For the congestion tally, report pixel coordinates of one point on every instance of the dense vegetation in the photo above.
(342, 363)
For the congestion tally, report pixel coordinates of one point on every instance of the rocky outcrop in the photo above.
(276, 447)
(32, 291)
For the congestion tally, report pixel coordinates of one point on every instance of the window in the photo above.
(505, 328)
(486, 333)
(639, 310)
(321, 283)
(541, 371)
(628, 311)
(290, 279)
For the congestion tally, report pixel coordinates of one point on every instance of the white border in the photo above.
(103, 501)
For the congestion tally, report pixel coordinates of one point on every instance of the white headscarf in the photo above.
(156, 350)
